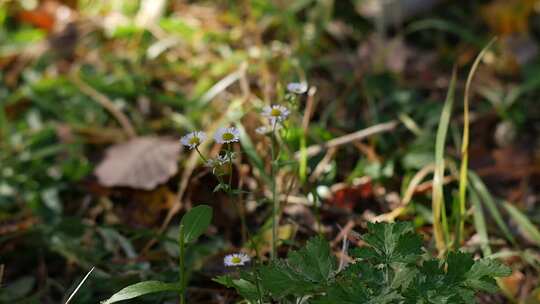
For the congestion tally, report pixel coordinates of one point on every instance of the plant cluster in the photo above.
(392, 268)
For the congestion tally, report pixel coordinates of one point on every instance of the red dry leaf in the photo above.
(348, 197)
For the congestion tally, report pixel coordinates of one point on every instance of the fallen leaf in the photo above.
(349, 196)
(141, 163)
(505, 17)
(513, 282)
(144, 208)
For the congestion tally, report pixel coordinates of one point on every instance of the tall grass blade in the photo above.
(440, 225)
(465, 148)
(480, 224)
(490, 204)
(444, 26)
(525, 225)
(79, 286)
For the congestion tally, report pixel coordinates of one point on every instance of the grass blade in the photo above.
(79, 286)
(440, 225)
(480, 224)
(490, 204)
(525, 225)
(465, 148)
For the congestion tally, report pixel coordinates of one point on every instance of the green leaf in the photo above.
(356, 294)
(390, 242)
(305, 271)
(480, 277)
(244, 288)
(140, 289)
(195, 222)
(315, 261)
(281, 281)
(17, 290)
(404, 276)
(459, 263)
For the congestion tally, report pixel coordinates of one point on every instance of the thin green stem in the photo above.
(239, 208)
(258, 284)
(229, 155)
(182, 268)
(274, 196)
(317, 209)
(200, 154)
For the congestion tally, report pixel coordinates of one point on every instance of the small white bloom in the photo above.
(297, 87)
(193, 139)
(275, 113)
(227, 135)
(236, 259)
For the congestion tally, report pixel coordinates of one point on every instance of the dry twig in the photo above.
(345, 139)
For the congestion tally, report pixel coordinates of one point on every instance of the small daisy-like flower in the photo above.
(193, 139)
(236, 259)
(275, 113)
(297, 87)
(227, 135)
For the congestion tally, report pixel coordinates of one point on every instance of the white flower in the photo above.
(236, 259)
(227, 135)
(297, 87)
(193, 139)
(275, 113)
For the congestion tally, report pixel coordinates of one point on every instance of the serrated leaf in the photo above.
(408, 248)
(355, 294)
(459, 263)
(390, 242)
(281, 281)
(315, 261)
(403, 276)
(488, 267)
(480, 276)
(140, 289)
(195, 222)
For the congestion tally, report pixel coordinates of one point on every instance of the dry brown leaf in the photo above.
(140, 163)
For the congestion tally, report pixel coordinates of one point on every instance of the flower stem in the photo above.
(200, 154)
(239, 208)
(274, 197)
(182, 270)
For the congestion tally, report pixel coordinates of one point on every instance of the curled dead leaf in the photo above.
(141, 163)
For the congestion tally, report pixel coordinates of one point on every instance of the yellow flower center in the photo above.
(236, 260)
(275, 112)
(194, 140)
(227, 136)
